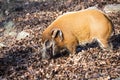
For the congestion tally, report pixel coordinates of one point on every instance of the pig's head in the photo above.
(50, 42)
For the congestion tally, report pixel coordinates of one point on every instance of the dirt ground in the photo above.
(21, 59)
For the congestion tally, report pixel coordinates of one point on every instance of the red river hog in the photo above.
(76, 28)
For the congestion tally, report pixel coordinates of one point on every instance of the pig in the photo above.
(76, 28)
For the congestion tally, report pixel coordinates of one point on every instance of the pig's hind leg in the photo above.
(104, 44)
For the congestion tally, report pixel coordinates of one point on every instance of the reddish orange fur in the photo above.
(80, 27)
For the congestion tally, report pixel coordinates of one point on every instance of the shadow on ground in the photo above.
(115, 40)
(15, 61)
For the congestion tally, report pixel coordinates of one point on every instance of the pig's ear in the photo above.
(57, 33)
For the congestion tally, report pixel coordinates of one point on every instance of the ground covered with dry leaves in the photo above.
(21, 59)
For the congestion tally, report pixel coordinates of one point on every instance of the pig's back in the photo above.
(82, 24)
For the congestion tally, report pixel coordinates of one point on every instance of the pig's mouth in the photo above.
(47, 53)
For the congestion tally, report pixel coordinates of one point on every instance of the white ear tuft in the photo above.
(57, 33)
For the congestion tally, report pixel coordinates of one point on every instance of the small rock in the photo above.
(22, 35)
(112, 8)
(2, 45)
(13, 34)
(8, 27)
